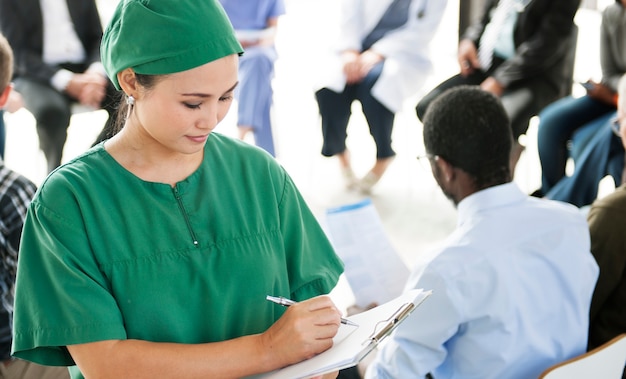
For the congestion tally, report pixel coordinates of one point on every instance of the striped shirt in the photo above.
(16, 192)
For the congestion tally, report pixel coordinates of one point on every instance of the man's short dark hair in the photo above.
(469, 128)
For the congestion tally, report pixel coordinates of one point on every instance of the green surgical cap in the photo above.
(158, 37)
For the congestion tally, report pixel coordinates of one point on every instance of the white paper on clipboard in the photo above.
(374, 270)
(355, 343)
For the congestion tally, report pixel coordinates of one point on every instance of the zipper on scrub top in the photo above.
(179, 200)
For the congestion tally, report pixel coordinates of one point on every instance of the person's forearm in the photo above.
(303, 331)
(141, 359)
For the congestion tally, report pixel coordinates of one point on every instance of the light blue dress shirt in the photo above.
(511, 288)
(505, 43)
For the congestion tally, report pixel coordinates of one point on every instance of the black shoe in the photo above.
(537, 193)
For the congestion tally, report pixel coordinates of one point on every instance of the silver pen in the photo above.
(287, 302)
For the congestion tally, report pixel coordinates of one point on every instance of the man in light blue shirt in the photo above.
(512, 285)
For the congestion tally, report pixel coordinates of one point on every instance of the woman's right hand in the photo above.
(305, 330)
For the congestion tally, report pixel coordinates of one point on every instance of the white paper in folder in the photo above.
(375, 271)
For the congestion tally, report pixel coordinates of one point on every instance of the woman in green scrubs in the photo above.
(150, 255)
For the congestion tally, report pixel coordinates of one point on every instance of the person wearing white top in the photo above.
(57, 64)
(512, 284)
(380, 58)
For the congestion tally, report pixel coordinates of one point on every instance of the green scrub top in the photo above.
(105, 255)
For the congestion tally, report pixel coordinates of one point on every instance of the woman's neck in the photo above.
(151, 161)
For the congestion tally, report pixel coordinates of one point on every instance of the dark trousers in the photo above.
(52, 112)
(349, 373)
(353, 373)
(521, 100)
(19, 369)
(336, 109)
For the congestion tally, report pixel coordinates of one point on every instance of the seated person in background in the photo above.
(381, 58)
(518, 50)
(512, 284)
(584, 115)
(607, 218)
(57, 60)
(16, 193)
(602, 154)
(255, 24)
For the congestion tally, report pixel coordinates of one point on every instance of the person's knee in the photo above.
(422, 105)
(420, 109)
(548, 117)
(53, 116)
(328, 100)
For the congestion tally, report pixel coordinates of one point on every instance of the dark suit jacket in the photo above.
(22, 24)
(542, 37)
(608, 245)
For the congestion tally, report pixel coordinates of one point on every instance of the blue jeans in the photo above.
(558, 123)
(603, 154)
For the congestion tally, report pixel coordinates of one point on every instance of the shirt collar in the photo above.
(492, 197)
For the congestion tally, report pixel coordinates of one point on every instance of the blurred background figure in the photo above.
(521, 51)
(381, 58)
(16, 193)
(608, 245)
(255, 23)
(580, 126)
(57, 63)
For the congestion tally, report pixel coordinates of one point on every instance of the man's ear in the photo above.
(128, 81)
(4, 96)
(445, 168)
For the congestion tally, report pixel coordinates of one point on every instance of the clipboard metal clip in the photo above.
(389, 324)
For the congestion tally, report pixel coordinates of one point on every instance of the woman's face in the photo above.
(182, 109)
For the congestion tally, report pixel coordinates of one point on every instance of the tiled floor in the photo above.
(414, 213)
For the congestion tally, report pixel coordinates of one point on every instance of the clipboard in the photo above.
(352, 344)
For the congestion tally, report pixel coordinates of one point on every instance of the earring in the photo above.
(130, 100)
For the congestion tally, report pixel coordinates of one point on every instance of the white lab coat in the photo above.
(406, 49)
